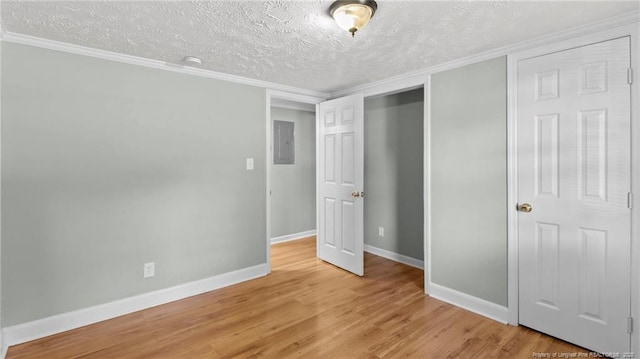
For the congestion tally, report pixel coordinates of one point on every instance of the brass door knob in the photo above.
(355, 194)
(525, 207)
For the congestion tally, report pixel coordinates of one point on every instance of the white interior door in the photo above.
(340, 171)
(574, 161)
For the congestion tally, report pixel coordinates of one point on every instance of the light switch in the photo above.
(250, 164)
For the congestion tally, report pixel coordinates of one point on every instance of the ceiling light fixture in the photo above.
(353, 15)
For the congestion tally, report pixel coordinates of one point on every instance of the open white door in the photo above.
(340, 171)
(574, 170)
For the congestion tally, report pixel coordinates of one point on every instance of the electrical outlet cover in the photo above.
(149, 270)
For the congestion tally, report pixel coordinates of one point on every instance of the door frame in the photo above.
(632, 31)
(282, 95)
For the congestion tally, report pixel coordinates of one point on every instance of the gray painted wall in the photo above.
(106, 166)
(393, 172)
(293, 187)
(469, 180)
(2, 341)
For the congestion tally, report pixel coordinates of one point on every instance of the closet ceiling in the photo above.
(296, 42)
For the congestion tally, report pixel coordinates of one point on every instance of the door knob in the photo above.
(355, 194)
(525, 207)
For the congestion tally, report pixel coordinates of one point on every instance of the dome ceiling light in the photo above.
(353, 15)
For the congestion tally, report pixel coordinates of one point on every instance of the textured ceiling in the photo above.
(296, 42)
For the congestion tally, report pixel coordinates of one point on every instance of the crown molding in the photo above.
(413, 79)
(399, 83)
(292, 105)
(155, 64)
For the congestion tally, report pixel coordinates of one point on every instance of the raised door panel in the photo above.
(592, 152)
(548, 265)
(547, 157)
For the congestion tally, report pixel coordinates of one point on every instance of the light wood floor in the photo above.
(304, 308)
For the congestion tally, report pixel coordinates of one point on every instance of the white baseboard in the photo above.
(394, 256)
(293, 237)
(40, 328)
(469, 302)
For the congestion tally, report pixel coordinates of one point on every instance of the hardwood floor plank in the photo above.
(304, 308)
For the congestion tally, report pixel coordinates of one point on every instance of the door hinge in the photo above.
(630, 325)
(629, 75)
(630, 200)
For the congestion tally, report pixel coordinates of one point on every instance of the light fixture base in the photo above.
(340, 3)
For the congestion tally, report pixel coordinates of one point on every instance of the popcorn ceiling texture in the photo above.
(296, 42)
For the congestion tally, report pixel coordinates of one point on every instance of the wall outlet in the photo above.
(149, 269)
(381, 231)
(250, 164)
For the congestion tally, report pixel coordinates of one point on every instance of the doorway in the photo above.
(293, 170)
(394, 176)
(394, 148)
